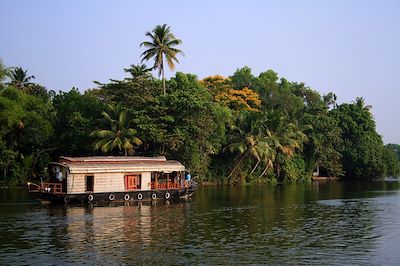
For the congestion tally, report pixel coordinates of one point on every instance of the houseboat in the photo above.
(111, 178)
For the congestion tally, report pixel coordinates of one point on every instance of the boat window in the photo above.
(89, 183)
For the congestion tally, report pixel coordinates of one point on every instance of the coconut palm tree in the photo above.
(138, 71)
(161, 46)
(268, 154)
(20, 78)
(360, 103)
(249, 141)
(285, 138)
(119, 135)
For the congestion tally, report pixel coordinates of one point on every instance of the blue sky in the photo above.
(351, 48)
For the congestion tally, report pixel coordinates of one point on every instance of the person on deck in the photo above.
(187, 180)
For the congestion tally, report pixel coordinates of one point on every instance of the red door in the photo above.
(132, 182)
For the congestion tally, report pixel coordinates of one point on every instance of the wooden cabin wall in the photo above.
(103, 182)
(109, 182)
(146, 181)
(76, 183)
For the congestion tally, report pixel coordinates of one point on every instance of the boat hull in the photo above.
(126, 196)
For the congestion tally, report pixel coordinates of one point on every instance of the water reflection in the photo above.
(334, 223)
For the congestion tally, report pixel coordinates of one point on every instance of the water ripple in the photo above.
(265, 225)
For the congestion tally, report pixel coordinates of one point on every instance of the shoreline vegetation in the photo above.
(244, 128)
(217, 183)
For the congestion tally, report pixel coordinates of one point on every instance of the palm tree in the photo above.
(267, 138)
(330, 99)
(249, 141)
(285, 138)
(19, 78)
(120, 135)
(360, 103)
(161, 45)
(138, 71)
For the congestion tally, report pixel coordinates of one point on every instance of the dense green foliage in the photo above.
(25, 130)
(284, 138)
(242, 128)
(118, 133)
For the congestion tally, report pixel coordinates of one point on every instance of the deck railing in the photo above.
(54, 188)
(164, 185)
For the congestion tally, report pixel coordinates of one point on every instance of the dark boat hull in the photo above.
(128, 196)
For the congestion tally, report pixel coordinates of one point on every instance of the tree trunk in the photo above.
(163, 78)
(255, 167)
(277, 170)
(162, 149)
(265, 170)
(244, 155)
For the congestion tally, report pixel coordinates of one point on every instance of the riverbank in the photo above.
(324, 178)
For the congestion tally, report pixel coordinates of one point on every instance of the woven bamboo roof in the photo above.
(116, 164)
(111, 159)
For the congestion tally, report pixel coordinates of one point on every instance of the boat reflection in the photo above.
(132, 227)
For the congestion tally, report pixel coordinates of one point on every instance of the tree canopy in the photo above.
(241, 128)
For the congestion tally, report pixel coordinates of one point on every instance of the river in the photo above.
(346, 223)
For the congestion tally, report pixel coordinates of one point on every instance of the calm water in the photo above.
(326, 223)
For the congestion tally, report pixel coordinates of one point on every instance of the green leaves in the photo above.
(363, 152)
(77, 115)
(272, 129)
(161, 45)
(119, 135)
(139, 71)
(25, 127)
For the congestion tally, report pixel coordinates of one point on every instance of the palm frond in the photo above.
(97, 145)
(160, 45)
(130, 132)
(106, 116)
(127, 145)
(122, 118)
(136, 141)
(105, 133)
(107, 146)
(116, 142)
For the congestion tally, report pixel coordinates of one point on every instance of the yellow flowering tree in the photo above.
(236, 99)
